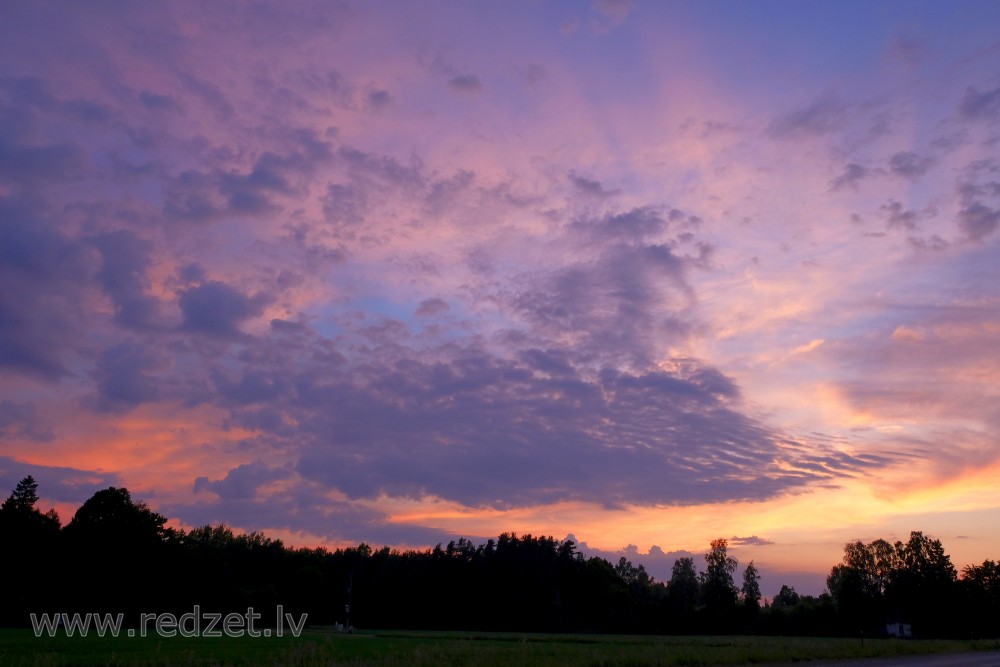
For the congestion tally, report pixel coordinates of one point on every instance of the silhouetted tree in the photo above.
(110, 516)
(750, 591)
(683, 593)
(750, 598)
(912, 582)
(23, 497)
(859, 584)
(980, 586)
(923, 586)
(19, 514)
(786, 597)
(28, 553)
(117, 555)
(718, 588)
(120, 553)
(632, 574)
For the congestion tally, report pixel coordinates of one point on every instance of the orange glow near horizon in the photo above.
(393, 273)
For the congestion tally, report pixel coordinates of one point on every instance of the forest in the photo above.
(116, 555)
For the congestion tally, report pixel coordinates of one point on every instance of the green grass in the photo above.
(315, 648)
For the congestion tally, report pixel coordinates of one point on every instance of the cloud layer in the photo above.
(336, 260)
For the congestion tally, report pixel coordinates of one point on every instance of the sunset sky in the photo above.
(643, 273)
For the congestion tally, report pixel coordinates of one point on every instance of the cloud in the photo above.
(979, 194)
(243, 481)
(354, 287)
(617, 9)
(125, 376)
(255, 497)
(658, 563)
(58, 483)
(614, 305)
(933, 244)
(570, 25)
(382, 170)
(253, 386)
(37, 93)
(590, 187)
(609, 14)
(379, 99)
(897, 217)
(210, 95)
(345, 205)
(193, 196)
(554, 362)
(634, 225)
(27, 165)
(216, 309)
(909, 165)
(822, 117)
(158, 103)
(44, 302)
(124, 260)
(483, 430)
(852, 176)
(534, 75)
(465, 83)
(978, 221)
(203, 195)
(250, 193)
(432, 307)
(21, 420)
(753, 540)
(979, 106)
(28, 158)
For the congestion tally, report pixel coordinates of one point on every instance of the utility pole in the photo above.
(347, 607)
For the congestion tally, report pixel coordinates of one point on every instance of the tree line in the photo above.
(116, 555)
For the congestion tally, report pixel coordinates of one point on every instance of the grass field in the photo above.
(315, 648)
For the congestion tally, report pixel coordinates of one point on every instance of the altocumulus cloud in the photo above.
(463, 424)
(386, 281)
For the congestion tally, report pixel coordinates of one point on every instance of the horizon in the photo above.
(643, 274)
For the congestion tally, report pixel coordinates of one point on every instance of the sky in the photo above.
(645, 274)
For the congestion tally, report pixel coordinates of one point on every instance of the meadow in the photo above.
(319, 647)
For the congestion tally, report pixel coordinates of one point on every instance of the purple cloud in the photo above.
(909, 165)
(978, 221)
(465, 83)
(583, 277)
(21, 420)
(126, 376)
(753, 540)
(977, 105)
(852, 176)
(824, 116)
(58, 483)
(216, 309)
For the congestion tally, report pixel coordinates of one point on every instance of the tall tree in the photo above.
(750, 592)
(111, 516)
(924, 585)
(786, 597)
(718, 588)
(29, 553)
(122, 553)
(632, 575)
(683, 592)
(19, 514)
(912, 581)
(981, 584)
(23, 498)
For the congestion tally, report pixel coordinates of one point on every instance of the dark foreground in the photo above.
(320, 647)
(980, 659)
